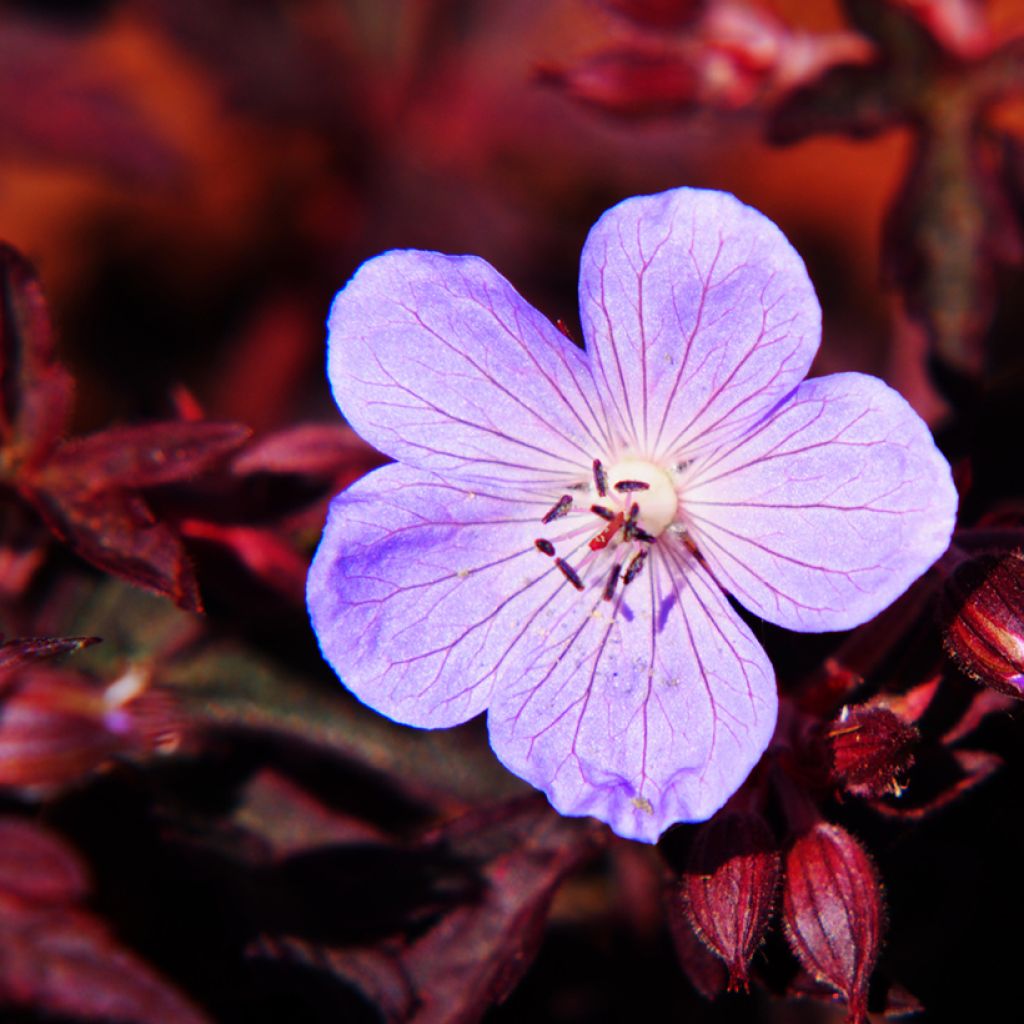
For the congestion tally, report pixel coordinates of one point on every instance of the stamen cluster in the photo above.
(621, 526)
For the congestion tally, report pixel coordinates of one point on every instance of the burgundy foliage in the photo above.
(60, 958)
(196, 823)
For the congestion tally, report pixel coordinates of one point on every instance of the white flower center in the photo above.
(658, 502)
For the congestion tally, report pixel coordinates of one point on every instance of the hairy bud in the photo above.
(985, 620)
(833, 912)
(729, 888)
(871, 748)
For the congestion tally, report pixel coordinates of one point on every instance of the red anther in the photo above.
(603, 539)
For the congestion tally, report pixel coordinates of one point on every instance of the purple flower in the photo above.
(553, 542)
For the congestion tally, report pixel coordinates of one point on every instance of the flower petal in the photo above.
(423, 593)
(699, 317)
(828, 510)
(438, 362)
(651, 717)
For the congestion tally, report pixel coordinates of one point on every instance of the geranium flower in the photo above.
(554, 542)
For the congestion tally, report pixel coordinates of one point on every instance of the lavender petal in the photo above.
(438, 361)
(828, 510)
(423, 595)
(699, 317)
(645, 717)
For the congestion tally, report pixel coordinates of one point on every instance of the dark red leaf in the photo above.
(318, 450)
(139, 456)
(910, 706)
(984, 602)
(37, 866)
(640, 81)
(17, 652)
(117, 532)
(658, 14)
(871, 749)
(35, 390)
(967, 769)
(64, 961)
(833, 912)
(290, 820)
(475, 955)
(729, 888)
(376, 973)
(984, 703)
(705, 971)
(266, 555)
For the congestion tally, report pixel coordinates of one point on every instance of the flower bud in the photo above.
(729, 888)
(871, 748)
(57, 727)
(832, 912)
(984, 602)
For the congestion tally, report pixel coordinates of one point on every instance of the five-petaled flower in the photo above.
(554, 543)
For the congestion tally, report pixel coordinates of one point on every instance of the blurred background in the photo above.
(193, 180)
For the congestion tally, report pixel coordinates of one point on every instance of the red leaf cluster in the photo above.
(474, 953)
(88, 489)
(60, 959)
(724, 57)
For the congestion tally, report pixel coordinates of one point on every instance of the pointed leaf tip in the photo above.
(35, 389)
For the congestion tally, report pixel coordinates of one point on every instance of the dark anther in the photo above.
(600, 479)
(636, 563)
(624, 486)
(559, 509)
(545, 546)
(643, 535)
(569, 573)
(609, 586)
(604, 513)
